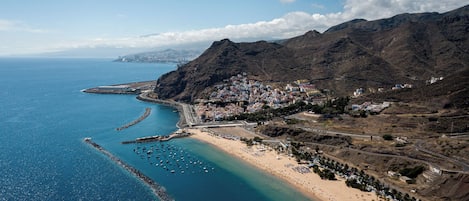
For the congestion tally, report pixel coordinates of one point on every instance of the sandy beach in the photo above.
(283, 166)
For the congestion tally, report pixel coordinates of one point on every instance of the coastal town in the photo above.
(239, 95)
(211, 120)
(284, 100)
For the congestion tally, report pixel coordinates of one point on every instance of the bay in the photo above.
(44, 118)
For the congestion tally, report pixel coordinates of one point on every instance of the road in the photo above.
(418, 147)
(322, 131)
(464, 166)
(189, 114)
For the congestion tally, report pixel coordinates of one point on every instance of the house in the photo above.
(434, 79)
(393, 174)
(292, 88)
(402, 140)
(300, 82)
(397, 86)
(358, 92)
(435, 170)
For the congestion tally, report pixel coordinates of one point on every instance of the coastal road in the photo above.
(464, 166)
(418, 147)
(189, 114)
(322, 131)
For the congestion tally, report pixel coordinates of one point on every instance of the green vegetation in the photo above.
(324, 174)
(355, 184)
(388, 137)
(257, 139)
(331, 107)
(412, 172)
(249, 142)
(292, 121)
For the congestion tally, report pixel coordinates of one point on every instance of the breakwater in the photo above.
(157, 189)
(149, 97)
(141, 118)
(157, 138)
(128, 88)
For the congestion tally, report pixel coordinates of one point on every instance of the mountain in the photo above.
(167, 55)
(407, 48)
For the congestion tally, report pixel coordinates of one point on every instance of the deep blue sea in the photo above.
(44, 118)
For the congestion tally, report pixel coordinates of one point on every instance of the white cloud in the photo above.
(376, 9)
(18, 26)
(290, 25)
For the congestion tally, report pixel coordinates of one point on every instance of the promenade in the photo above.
(186, 111)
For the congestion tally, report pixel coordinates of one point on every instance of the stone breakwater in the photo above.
(141, 118)
(157, 189)
(158, 138)
(147, 97)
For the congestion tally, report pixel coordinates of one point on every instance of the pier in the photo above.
(158, 138)
(157, 189)
(141, 118)
(128, 88)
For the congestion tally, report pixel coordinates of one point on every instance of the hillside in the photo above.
(407, 48)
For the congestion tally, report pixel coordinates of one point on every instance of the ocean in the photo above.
(45, 117)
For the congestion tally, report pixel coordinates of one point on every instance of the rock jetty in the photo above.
(141, 118)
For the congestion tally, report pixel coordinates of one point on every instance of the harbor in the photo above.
(157, 189)
(158, 138)
(171, 159)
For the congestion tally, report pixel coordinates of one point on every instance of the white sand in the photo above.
(281, 166)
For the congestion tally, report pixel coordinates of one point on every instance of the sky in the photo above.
(32, 26)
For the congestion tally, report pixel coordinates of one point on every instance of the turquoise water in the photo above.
(44, 118)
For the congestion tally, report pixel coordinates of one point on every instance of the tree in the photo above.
(257, 139)
(388, 137)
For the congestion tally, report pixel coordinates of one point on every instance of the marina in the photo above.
(172, 159)
(157, 189)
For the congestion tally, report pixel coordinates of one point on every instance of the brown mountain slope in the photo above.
(407, 48)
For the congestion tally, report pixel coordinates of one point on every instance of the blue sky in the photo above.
(31, 26)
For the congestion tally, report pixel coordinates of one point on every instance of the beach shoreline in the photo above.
(279, 166)
(283, 167)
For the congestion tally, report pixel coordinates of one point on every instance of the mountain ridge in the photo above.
(406, 48)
